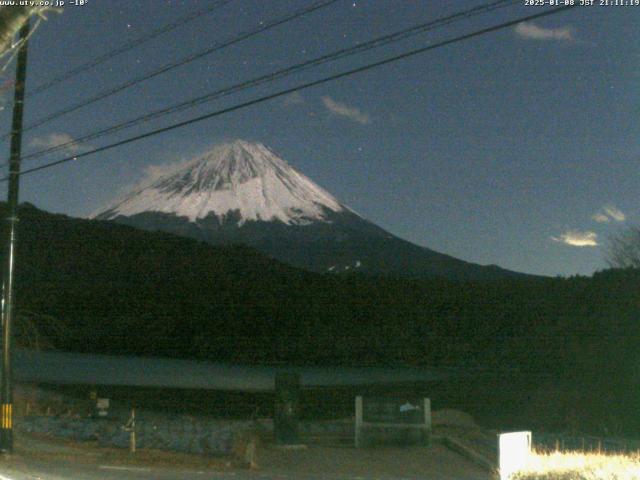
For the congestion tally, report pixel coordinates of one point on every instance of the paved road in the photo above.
(40, 458)
(33, 470)
(68, 471)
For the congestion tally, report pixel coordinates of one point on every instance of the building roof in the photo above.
(64, 368)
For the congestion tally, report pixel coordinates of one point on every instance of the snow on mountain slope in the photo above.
(242, 193)
(239, 176)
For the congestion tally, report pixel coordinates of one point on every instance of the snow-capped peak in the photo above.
(238, 176)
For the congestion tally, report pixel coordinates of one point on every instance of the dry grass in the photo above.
(48, 449)
(581, 466)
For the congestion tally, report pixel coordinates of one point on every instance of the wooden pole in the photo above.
(6, 389)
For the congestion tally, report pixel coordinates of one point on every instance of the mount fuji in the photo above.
(242, 192)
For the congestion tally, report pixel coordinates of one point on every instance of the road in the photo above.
(40, 458)
(113, 472)
(68, 471)
(21, 469)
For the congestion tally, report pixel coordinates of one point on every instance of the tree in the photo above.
(623, 250)
(38, 331)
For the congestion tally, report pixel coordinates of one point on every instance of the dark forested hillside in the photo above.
(115, 289)
(122, 290)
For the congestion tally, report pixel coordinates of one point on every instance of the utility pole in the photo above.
(6, 393)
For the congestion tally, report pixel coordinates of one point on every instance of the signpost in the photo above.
(102, 407)
(393, 413)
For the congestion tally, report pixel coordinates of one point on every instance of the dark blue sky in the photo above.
(518, 148)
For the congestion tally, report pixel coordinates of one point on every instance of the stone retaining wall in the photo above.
(181, 434)
(200, 435)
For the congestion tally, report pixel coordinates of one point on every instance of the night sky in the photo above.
(518, 148)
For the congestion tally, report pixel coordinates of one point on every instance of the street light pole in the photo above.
(6, 393)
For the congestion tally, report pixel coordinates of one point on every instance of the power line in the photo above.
(288, 91)
(170, 66)
(127, 46)
(343, 53)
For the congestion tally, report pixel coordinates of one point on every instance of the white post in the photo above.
(359, 415)
(427, 419)
(132, 435)
(427, 413)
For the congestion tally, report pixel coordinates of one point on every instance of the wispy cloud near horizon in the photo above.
(608, 213)
(343, 110)
(294, 98)
(576, 238)
(530, 31)
(54, 140)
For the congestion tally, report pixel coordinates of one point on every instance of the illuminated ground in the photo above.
(41, 458)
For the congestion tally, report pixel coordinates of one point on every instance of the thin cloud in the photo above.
(601, 217)
(343, 110)
(530, 31)
(150, 174)
(575, 238)
(609, 213)
(55, 140)
(155, 172)
(294, 98)
(615, 214)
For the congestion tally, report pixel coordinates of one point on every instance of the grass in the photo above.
(581, 466)
(49, 449)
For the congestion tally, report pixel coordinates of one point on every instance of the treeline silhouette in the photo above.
(558, 352)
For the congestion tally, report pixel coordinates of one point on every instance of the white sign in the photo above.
(514, 450)
(407, 407)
